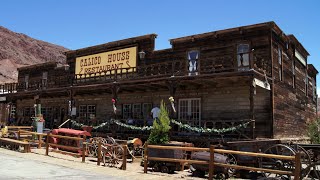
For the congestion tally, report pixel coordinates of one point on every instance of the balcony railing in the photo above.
(150, 71)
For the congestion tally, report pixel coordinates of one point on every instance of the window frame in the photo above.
(197, 71)
(280, 63)
(193, 120)
(85, 114)
(293, 74)
(240, 65)
(126, 114)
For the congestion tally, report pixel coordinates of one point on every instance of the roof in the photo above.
(215, 33)
(114, 43)
(46, 64)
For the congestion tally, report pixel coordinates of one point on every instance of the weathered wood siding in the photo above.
(294, 109)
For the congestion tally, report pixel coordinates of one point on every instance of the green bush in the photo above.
(314, 131)
(160, 131)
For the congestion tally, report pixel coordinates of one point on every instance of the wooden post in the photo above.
(252, 89)
(19, 134)
(211, 163)
(145, 157)
(47, 144)
(40, 141)
(84, 148)
(297, 164)
(99, 153)
(124, 157)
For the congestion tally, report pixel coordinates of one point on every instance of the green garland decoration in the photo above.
(181, 125)
(208, 130)
(76, 124)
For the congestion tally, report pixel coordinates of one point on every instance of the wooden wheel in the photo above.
(278, 164)
(231, 160)
(305, 160)
(112, 155)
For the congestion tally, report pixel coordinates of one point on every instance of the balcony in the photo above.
(150, 71)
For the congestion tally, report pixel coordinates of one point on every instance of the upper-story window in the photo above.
(293, 74)
(44, 79)
(26, 81)
(280, 63)
(193, 57)
(243, 52)
(314, 89)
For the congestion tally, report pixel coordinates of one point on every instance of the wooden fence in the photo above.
(212, 164)
(38, 135)
(82, 149)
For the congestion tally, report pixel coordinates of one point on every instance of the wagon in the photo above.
(168, 167)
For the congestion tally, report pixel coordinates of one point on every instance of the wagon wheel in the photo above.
(108, 140)
(112, 155)
(305, 160)
(93, 147)
(278, 164)
(231, 160)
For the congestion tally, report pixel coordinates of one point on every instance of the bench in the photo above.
(13, 131)
(15, 144)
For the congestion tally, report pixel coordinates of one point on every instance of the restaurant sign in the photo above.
(108, 62)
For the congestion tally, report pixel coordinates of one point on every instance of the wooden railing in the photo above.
(82, 149)
(38, 136)
(296, 159)
(156, 70)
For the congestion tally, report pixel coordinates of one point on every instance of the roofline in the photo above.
(114, 43)
(214, 33)
(296, 41)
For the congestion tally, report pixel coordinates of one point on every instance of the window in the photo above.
(280, 64)
(136, 111)
(13, 111)
(243, 57)
(44, 79)
(28, 112)
(126, 111)
(87, 112)
(314, 91)
(306, 84)
(26, 81)
(293, 74)
(193, 57)
(146, 109)
(190, 111)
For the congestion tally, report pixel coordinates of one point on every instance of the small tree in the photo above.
(314, 131)
(160, 131)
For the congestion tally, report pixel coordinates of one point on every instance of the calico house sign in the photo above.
(108, 62)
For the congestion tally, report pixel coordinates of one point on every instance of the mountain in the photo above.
(18, 50)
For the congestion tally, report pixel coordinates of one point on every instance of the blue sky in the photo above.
(81, 23)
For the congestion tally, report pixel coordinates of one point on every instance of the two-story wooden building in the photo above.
(218, 79)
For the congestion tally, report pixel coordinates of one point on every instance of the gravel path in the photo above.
(59, 166)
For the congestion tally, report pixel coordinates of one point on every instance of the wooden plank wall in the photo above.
(293, 108)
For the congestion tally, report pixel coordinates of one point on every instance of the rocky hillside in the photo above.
(17, 50)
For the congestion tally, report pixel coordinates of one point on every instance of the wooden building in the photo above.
(218, 79)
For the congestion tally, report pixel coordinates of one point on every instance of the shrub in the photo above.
(314, 131)
(160, 131)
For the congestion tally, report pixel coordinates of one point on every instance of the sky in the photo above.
(77, 24)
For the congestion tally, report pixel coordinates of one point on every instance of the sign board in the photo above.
(262, 84)
(106, 61)
(3, 98)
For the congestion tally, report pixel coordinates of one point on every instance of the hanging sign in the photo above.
(107, 62)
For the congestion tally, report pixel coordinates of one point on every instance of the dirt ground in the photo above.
(134, 170)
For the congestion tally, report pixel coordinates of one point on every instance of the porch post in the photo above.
(172, 85)
(114, 89)
(252, 94)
